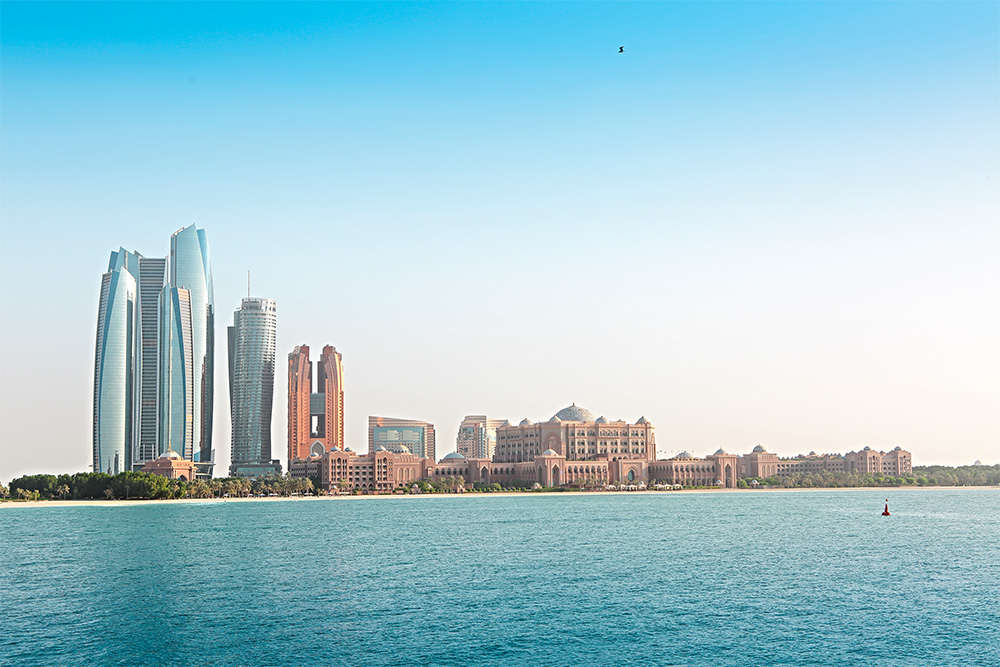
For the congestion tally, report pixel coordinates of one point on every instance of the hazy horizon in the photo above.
(766, 223)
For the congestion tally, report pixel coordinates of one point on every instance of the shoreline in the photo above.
(122, 503)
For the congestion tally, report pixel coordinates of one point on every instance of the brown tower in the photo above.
(299, 392)
(315, 419)
(330, 380)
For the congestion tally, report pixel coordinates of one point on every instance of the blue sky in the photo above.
(763, 223)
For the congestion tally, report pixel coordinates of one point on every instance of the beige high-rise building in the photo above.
(477, 437)
(315, 419)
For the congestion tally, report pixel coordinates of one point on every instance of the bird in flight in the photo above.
(621, 49)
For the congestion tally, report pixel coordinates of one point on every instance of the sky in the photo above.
(763, 223)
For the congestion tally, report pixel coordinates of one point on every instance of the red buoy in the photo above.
(886, 512)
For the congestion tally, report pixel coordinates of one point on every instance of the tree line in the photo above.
(144, 485)
(975, 475)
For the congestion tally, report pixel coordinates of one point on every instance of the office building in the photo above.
(114, 426)
(176, 417)
(154, 357)
(152, 278)
(394, 434)
(191, 270)
(251, 388)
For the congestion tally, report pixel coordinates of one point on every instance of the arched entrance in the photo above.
(484, 474)
(729, 476)
(631, 476)
(555, 476)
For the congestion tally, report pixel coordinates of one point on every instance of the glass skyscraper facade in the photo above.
(191, 269)
(114, 428)
(176, 394)
(251, 387)
(154, 358)
(152, 278)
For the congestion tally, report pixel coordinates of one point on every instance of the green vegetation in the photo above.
(921, 476)
(143, 485)
(96, 485)
(962, 476)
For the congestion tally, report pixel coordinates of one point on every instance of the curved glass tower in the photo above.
(176, 391)
(191, 270)
(115, 427)
(251, 387)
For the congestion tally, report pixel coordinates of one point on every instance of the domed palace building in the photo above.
(573, 446)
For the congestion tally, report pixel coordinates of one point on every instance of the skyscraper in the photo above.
(191, 270)
(330, 382)
(315, 419)
(152, 278)
(176, 395)
(299, 397)
(251, 388)
(154, 359)
(114, 427)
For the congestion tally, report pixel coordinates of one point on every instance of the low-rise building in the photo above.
(172, 466)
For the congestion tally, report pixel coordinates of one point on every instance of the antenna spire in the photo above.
(248, 283)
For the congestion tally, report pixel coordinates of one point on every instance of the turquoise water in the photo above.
(750, 578)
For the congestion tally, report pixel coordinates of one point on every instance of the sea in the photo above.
(754, 578)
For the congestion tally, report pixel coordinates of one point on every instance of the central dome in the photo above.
(575, 413)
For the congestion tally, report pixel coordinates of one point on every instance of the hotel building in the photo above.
(376, 472)
(574, 447)
(315, 419)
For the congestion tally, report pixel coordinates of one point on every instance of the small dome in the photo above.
(454, 456)
(897, 449)
(575, 413)
(380, 448)
(403, 449)
(525, 422)
(348, 449)
(555, 419)
(505, 423)
(602, 420)
(866, 449)
(684, 455)
(550, 452)
(812, 453)
(720, 452)
(171, 454)
(642, 420)
(758, 449)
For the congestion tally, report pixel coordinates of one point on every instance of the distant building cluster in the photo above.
(154, 365)
(154, 395)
